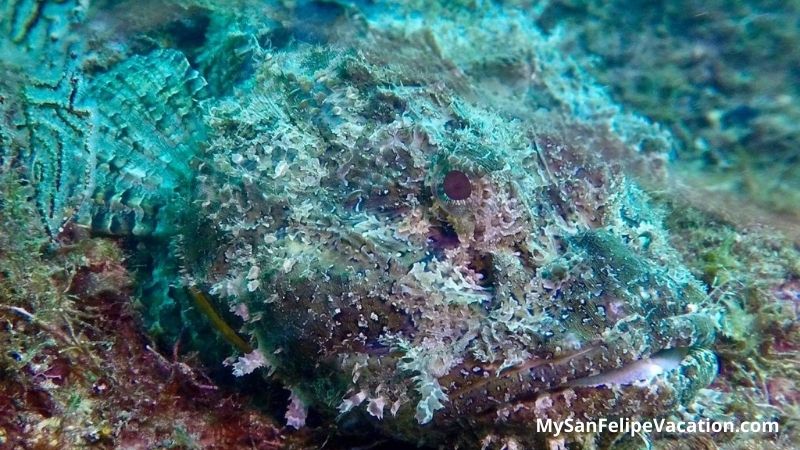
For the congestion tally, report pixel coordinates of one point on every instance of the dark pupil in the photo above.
(457, 185)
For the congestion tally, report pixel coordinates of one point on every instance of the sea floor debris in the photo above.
(77, 370)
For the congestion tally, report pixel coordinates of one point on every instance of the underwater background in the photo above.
(423, 224)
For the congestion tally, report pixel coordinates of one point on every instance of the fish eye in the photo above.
(456, 185)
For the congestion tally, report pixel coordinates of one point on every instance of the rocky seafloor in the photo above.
(332, 224)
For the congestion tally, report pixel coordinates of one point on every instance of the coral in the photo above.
(40, 30)
(60, 155)
(53, 143)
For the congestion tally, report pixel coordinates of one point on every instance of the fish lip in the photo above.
(612, 377)
(687, 370)
(642, 369)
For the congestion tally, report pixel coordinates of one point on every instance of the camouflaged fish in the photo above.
(426, 223)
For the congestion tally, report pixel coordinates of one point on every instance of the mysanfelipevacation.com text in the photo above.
(634, 427)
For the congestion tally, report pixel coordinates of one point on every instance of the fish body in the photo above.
(425, 223)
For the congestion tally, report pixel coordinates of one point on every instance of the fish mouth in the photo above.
(649, 387)
(640, 370)
(646, 386)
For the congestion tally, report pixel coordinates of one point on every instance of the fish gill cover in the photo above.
(427, 222)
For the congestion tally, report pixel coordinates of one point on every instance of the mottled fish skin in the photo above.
(427, 225)
(423, 311)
